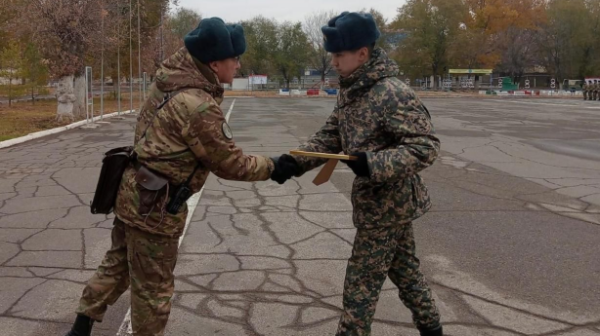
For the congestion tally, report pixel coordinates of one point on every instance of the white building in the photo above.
(14, 81)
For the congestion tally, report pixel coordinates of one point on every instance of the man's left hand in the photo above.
(360, 166)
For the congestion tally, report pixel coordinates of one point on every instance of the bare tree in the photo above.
(560, 40)
(518, 53)
(73, 33)
(319, 57)
(12, 66)
(431, 26)
(291, 55)
(262, 41)
(384, 41)
(184, 20)
(64, 30)
(7, 13)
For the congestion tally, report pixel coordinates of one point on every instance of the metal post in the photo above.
(89, 99)
(161, 57)
(139, 53)
(119, 59)
(89, 95)
(102, 70)
(130, 60)
(87, 112)
(145, 85)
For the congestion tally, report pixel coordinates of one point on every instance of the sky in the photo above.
(293, 10)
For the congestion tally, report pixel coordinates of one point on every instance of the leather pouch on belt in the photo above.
(151, 190)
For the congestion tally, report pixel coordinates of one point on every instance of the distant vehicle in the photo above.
(572, 85)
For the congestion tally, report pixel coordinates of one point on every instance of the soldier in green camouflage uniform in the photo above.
(595, 88)
(189, 130)
(380, 120)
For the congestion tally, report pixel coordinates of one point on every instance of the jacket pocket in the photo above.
(151, 189)
(421, 199)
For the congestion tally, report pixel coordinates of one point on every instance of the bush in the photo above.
(16, 91)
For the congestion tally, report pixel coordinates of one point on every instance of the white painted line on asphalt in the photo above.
(549, 104)
(36, 135)
(532, 103)
(230, 109)
(125, 329)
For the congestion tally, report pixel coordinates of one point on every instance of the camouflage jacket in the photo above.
(378, 114)
(188, 130)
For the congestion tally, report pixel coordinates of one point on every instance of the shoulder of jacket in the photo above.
(390, 90)
(389, 85)
(195, 100)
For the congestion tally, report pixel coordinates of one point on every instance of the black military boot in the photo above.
(82, 326)
(437, 331)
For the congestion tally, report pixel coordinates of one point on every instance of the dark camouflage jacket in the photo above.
(378, 114)
(189, 129)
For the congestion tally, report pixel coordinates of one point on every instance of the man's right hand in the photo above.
(285, 168)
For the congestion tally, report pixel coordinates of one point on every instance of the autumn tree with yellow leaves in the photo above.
(427, 38)
(509, 36)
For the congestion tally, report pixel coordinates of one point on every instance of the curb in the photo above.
(36, 135)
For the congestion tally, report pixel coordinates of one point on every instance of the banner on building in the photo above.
(257, 79)
(471, 71)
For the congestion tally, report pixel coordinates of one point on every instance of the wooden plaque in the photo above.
(327, 170)
(324, 155)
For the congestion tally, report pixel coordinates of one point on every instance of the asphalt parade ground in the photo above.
(511, 246)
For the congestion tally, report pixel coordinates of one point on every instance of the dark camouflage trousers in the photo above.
(145, 261)
(377, 254)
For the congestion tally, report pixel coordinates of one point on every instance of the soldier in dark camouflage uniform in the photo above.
(380, 120)
(189, 131)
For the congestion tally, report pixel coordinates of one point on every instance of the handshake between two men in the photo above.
(286, 167)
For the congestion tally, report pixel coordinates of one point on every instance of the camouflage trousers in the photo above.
(376, 255)
(145, 261)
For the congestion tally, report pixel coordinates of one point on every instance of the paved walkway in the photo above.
(51, 243)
